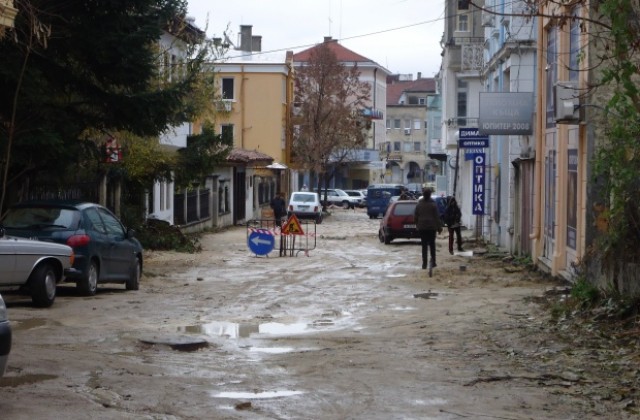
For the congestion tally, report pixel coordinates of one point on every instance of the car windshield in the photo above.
(404, 209)
(304, 198)
(38, 218)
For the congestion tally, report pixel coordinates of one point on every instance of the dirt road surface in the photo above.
(353, 330)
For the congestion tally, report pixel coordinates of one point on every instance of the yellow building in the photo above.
(256, 91)
(559, 227)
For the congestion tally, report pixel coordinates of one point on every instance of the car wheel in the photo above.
(380, 236)
(387, 239)
(133, 282)
(42, 284)
(88, 285)
(319, 220)
(346, 204)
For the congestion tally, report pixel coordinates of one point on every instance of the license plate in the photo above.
(303, 207)
(409, 226)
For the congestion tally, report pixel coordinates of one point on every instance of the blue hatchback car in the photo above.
(105, 250)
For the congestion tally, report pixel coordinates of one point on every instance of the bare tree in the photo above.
(328, 120)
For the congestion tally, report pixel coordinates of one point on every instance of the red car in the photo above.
(398, 222)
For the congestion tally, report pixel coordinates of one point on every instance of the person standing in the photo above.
(452, 216)
(428, 223)
(279, 207)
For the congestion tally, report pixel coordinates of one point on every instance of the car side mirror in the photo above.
(1, 231)
(131, 233)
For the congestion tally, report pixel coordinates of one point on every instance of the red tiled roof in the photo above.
(396, 89)
(343, 54)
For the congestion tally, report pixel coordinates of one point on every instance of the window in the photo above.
(162, 192)
(396, 123)
(462, 98)
(417, 124)
(227, 131)
(112, 225)
(422, 101)
(388, 123)
(227, 88)
(463, 4)
(408, 147)
(396, 146)
(463, 23)
(407, 124)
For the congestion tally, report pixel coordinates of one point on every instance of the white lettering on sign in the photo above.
(477, 201)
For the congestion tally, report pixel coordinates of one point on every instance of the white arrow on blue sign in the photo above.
(261, 242)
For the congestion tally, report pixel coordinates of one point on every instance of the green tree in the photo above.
(328, 121)
(76, 66)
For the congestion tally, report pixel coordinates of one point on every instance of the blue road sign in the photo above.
(261, 242)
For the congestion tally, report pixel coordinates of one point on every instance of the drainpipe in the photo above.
(242, 106)
(537, 182)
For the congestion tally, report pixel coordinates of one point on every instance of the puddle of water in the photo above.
(30, 324)
(273, 350)
(14, 381)
(236, 330)
(257, 395)
(391, 276)
(431, 401)
(276, 328)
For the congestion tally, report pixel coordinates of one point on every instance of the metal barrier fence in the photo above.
(260, 231)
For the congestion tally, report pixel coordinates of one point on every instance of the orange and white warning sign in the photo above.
(292, 226)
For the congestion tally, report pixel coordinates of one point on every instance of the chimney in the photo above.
(245, 38)
(256, 43)
(328, 38)
(419, 75)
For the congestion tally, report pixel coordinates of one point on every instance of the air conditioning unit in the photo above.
(407, 131)
(487, 19)
(567, 102)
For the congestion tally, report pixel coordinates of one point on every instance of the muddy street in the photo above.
(353, 330)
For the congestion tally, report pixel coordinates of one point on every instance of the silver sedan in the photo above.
(33, 266)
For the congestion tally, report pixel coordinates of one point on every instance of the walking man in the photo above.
(279, 208)
(428, 223)
(452, 216)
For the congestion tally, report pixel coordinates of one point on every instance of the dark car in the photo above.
(379, 196)
(398, 222)
(105, 250)
(5, 337)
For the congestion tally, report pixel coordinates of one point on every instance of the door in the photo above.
(120, 249)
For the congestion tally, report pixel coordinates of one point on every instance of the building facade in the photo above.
(407, 145)
(256, 91)
(460, 79)
(364, 169)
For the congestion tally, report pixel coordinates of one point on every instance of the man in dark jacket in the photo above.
(452, 216)
(428, 223)
(279, 207)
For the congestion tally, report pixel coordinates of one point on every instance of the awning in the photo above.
(438, 156)
(276, 165)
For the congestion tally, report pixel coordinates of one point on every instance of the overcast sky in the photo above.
(401, 35)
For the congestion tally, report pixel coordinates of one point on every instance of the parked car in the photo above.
(378, 197)
(33, 266)
(305, 205)
(5, 337)
(105, 250)
(340, 198)
(398, 222)
(362, 198)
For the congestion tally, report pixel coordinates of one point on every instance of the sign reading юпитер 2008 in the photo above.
(506, 113)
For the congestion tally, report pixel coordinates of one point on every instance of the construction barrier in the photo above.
(291, 238)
